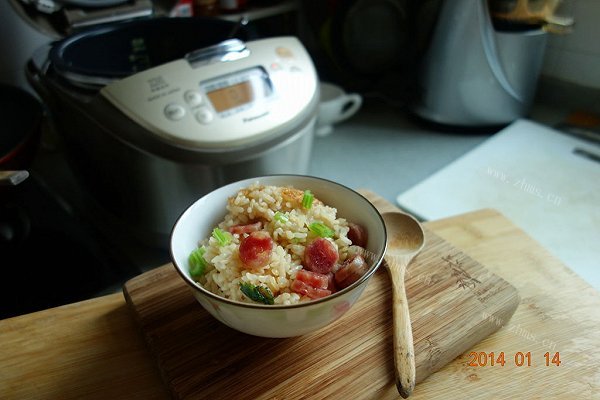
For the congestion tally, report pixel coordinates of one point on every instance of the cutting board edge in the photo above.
(496, 320)
(147, 336)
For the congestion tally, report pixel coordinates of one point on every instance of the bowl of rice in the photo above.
(280, 255)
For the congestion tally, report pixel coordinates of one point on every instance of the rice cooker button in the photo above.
(204, 116)
(193, 98)
(174, 111)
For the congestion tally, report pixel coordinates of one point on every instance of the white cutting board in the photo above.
(530, 173)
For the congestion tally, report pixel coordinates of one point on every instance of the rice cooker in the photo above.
(148, 138)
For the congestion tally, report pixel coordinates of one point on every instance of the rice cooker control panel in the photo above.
(224, 95)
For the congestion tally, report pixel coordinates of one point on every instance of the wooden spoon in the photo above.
(405, 240)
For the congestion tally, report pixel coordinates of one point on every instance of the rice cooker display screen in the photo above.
(236, 92)
(231, 96)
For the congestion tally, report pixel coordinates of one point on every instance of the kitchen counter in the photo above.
(93, 350)
(386, 150)
(382, 149)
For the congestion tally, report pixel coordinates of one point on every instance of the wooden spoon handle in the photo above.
(404, 353)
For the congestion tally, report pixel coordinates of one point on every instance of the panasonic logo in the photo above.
(250, 119)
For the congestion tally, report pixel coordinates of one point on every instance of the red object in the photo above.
(357, 235)
(314, 279)
(331, 282)
(248, 228)
(307, 290)
(351, 270)
(320, 256)
(255, 249)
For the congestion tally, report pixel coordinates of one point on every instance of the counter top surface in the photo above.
(93, 349)
(386, 150)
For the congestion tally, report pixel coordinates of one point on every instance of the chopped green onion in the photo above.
(281, 217)
(321, 230)
(307, 199)
(260, 294)
(222, 237)
(197, 262)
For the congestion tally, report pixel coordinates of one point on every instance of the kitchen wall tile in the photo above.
(580, 68)
(586, 30)
(575, 57)
(550, 60)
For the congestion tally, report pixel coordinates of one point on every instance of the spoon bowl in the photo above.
(406, 239)
(405, 234)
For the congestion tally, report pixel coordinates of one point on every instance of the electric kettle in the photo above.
(475, 73)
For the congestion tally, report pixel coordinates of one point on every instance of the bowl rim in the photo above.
(197, 287)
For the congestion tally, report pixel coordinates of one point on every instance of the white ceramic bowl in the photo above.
(200, 218)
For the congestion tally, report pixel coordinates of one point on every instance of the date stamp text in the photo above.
(518, 359)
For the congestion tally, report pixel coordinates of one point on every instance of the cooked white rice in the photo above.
(258, 202)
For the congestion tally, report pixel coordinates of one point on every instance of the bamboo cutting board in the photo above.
(454, 302)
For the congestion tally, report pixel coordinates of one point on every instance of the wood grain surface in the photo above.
(558, 313)
(89, 350)
(93, 350)
(450, 296)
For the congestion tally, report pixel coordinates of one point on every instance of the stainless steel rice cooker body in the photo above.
(146, 163)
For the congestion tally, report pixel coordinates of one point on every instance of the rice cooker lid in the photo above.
(101, 55)
(222, 97)
(52, 6)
